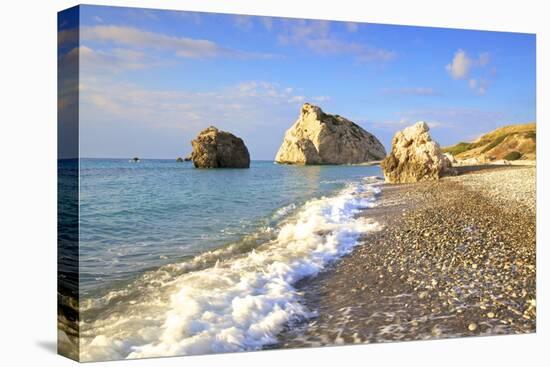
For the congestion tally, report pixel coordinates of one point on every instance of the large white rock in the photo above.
(415, 157)
(320, 138)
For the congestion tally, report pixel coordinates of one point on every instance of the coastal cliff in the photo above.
(319, 138)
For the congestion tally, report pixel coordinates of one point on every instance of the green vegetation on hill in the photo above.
(458, 148)
(496, 141)
(508, 142)
(513, 156)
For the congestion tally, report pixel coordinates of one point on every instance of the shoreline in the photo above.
(456, 258)
(412, 280)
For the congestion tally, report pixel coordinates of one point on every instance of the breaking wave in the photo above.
(236, 298)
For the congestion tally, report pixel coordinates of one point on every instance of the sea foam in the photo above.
(240, 302)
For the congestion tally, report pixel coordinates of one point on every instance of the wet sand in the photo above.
(455, 258)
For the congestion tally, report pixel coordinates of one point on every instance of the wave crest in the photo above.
(239, 303)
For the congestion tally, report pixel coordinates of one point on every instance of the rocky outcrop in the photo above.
(320, 138)
(214, 148)
(415, 157)
(451, 158)
(179, 159)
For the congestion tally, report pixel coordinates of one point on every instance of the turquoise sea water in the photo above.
(139, 216)
(176, 260)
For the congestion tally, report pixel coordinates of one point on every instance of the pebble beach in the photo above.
(456, 257)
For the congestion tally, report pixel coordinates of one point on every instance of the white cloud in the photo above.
(416, 91)
(243, 22)
(150, 14)
(483, 59)
(479, 85)
(267, 22)
(67, 38)
(459, 68)
(257, 111)
(451, 118)
(352, 26)
(113, 61)
(370, 53)
(297, 99)
(321, 98)
(316, 36)
(406, 121)
(462, 65)
(188, 16)
(107, 100)
(181, 46)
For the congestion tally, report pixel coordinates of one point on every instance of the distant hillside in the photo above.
(511, 142)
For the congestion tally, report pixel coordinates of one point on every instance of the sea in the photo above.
(176, 260)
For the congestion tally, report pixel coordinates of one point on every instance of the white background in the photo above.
(28, 180)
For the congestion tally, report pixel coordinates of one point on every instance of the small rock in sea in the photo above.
(214, 148)
(472, 327)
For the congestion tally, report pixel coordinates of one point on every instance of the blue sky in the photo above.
(151, 80)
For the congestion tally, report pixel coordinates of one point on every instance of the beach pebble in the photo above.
(458, 258)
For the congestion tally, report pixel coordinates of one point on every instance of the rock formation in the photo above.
(451, 158)
(179, 159)
(320, 138)
(214, 148)
(415, 157)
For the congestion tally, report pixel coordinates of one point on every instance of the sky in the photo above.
(150, 80)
